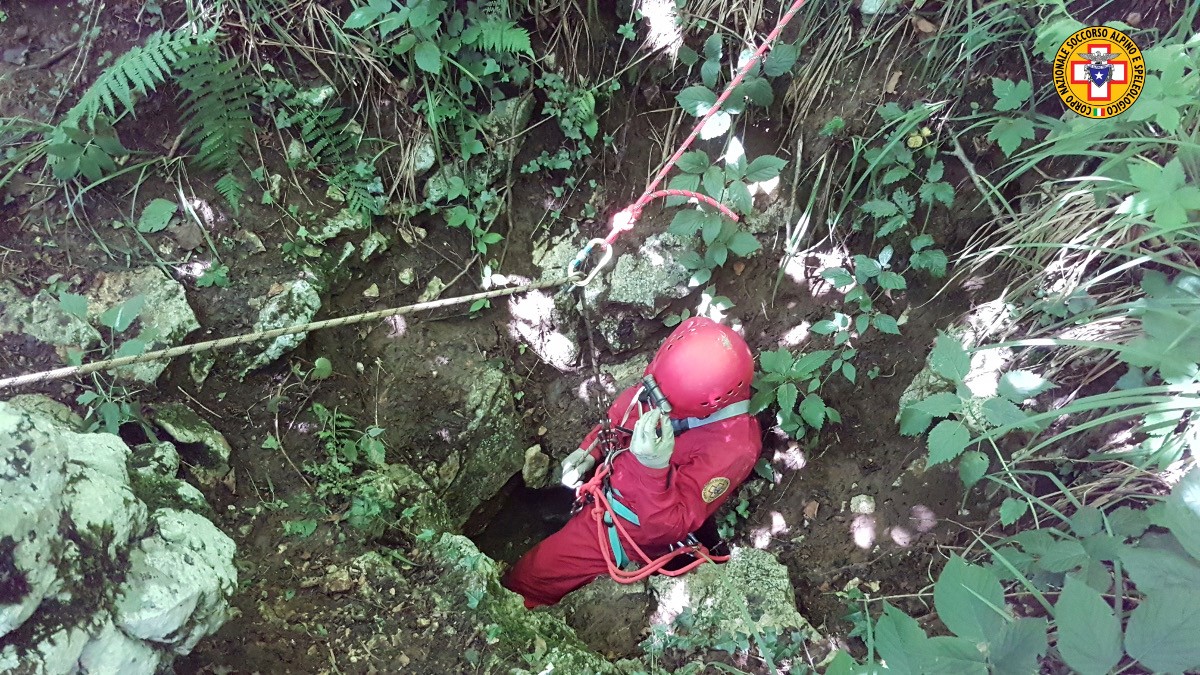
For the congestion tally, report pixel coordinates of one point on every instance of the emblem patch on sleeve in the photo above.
(714, 488)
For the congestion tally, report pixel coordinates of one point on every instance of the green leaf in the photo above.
(891, 281)
(933, 261)
(738, 197)
(812, 411)
(1162, 630)
(131, 347)
(73, 304)
(938, 405)
(866, 268)
(937, 192)
(787, 394)
(365, 16)
(885, 324)
(696, 100)
(428, 57)
(949, 359)
(1063, 556)
(972, 467)
(935, 172)
(775, 361)
(121, 316)
(1182, 513)
(687, 222)
(810, 363)
(1017, 650)
(1001, 412)
(913, 422)
(921, 242)
(157, 215)
(947, 440)
(1019, 385)
(837, 276)
(743, 244)
(763, 168)
(900, 641)
(780, 59)
(1157, 569)
(1128, 522)
(322, 368)
(947, 655)
(761, 399)
(1011, 510)
(695, 162)
(880, 208)
(1010, 95)
(967, 598)
(1009, 134)
(1087, 521)
(758, 91)
(849, 372)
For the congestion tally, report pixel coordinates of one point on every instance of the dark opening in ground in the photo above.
(519, 517)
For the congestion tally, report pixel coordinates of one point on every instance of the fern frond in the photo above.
(232, 189)
(216, 111)
(504, 37)
(135, 73)
(494, 9)
(327, 138)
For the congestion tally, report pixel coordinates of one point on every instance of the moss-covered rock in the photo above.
(747, 596)
(205, 448)
(471, 584)
(298, 303)
(43, 318)
(165, 321)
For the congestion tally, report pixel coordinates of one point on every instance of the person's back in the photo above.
(663, 483)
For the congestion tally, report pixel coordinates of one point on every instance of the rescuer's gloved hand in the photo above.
(575, 466)
(653, 440)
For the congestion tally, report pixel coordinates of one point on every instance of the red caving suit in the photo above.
(709, 462)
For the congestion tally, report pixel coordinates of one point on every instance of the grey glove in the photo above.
(653, 440)
(575, 466)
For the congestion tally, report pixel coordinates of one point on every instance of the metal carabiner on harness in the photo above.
(575, 267)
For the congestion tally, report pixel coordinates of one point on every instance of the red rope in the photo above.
(627, 217)
(624, 221)
(648, 565)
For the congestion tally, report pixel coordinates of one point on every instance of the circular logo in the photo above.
(1099, 72)
(714, 488)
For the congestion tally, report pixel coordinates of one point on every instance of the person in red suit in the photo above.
(674, 464)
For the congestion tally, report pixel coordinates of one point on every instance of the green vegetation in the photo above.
(1064, 404)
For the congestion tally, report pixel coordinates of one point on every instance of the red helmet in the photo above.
(702, 367)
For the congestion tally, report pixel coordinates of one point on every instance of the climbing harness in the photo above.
(607, 510)
(183, 350)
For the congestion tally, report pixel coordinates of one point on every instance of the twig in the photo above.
(975, 178)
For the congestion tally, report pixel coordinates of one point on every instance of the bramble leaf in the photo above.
(947, 440)
(1089, 634)
(969, 600)
(972, 467)
(1009, 134)
(1010, 95)
(949, 359)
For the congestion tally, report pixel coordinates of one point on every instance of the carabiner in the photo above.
(574, 267)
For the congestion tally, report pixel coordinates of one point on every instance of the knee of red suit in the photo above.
(563, 562)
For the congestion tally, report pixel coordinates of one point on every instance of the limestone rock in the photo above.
(537, 467)
(210, 463)
(503, 128)
(155, 458)
(43, 319)
(32, 479)
(745, 596)
(649, 279)
(44, 406)
(415, 506)
(493, 451)
(72, 530)
(178, 580)
(298, 303)
(339, 223)
(166, 318)
(433, 290)
(472, 587)
(623, 330)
